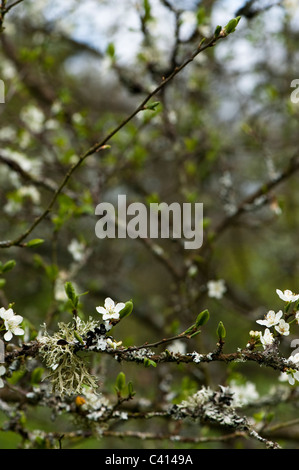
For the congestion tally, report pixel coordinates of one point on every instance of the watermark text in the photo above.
(137, 220)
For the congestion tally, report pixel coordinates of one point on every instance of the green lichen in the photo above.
(69, 372)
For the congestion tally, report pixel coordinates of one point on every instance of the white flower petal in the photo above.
(8, 314)
(119, 307)
(8, 336)
(101, 310)
(2, 311)
(18, 331)
(109, 303)
(17, 319)
(262, 322)
(291, 379)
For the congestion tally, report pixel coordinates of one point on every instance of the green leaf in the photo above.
(36, 375)
(34, 242)
(127, 310)
(8, 266)
(78, 337)
(71, 294)
(201, 16)
(202, 318)
(189, 330)
(120, 382)
(148, 362)
(16, 376)
(131, 392)
(2, 283)
(221, 332)
(232, 24)
(110, 50)
(217, 31)
(152, 106)
(52, 271)
(195, 334)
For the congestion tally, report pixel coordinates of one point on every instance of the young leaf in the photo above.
(71, 294)
(190, 330)
(232, 24)
(221, 332)
(8, 266)
(152, 106)
(148, 362)
(34, 242)
(111, 50)
(217, 31)
(36, 375)
(131, 392)
(127, 310)
(202, 318)
(78, 337)
(120, 382)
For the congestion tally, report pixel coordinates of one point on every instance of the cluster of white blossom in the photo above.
(275, 320)
(291, 375)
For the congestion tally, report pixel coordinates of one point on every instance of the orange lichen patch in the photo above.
(80, 401)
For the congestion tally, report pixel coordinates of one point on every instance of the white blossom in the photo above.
(243, 394)
(291, 5)
(101, 343)
(271, 318)
(216, 289)
(292, 375)
(33, 118)
(7, 133)
(8, 70)
(11, 323)
(254, 334)
(113, 344)
(111, 310)
(30, 191)
(77, 250)
(283, 328)
(32, 166)
(267, 338)
(56, 107)
(178, 347)
(12, 207)
(77, 118)
(287, 295)
(294, 358)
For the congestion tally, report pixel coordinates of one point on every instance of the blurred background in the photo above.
(224, 133)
